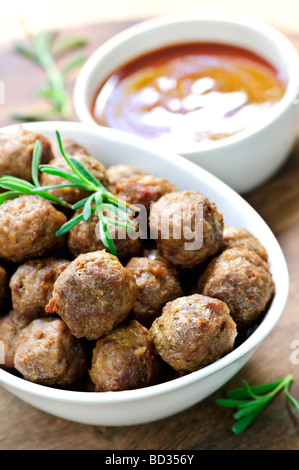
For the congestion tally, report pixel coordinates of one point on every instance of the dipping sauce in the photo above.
(189, 94)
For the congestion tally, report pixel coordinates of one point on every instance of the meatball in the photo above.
(4, 279)
(48, 354)
(125, 359)
(241, 279)
(187, 226)
(157, 282)
(16, 153)
(143, 190)
(117, 173)
(11, 326)
(32, 285)
(28, 225)
(93, 294)
(193, 331)
(71, 194)
(71, 147)
(85, 237)
(240, 237)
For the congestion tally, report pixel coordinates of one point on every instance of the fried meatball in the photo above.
(73, 195)
(193, 331)
(85, 237)
(16, 153)
(48, 354)
(117, 173)
(4, 280)
(11, 326)
(125, 359)
(234, 237)
(157, 282)
(28, 225)
(187, 226)
(32, 285)
(93, 294)
(143, 190)
(241, 279)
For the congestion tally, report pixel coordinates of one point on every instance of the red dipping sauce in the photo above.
(189, 93)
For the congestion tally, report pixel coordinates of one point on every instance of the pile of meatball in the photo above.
(76, 317)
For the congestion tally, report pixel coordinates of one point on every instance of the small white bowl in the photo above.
(162, 400)
(246, 159)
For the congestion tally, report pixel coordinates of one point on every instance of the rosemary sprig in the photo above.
(43, 50)
(100, 200)
(251, 400)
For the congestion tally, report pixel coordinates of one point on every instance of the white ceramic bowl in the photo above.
(162, 400)
(246, 159)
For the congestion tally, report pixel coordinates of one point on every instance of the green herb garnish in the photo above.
(44, 49)
(251, 400)
(100, 200)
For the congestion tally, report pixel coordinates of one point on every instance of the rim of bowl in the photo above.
(249, 345)
(281, 42)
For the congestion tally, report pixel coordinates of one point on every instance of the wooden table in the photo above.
(205, 426)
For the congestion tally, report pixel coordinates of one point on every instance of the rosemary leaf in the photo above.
(42, 51)
(120, 224)
(118, 212)
(52, 198)
(249, 409)
(74, 63)
(5, 183)
(67, 175)
(244, 422)
(243, 393)
(291, 399)
(26, 52)
(69, 225)
(62, 45)
(80, 203)
(85, 174)
(9, 195)
(36, 159)
(87, 207)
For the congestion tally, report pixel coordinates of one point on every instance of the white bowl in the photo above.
(162, 400)
(246, 159)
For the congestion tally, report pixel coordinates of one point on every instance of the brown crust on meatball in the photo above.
(32, 285)
(4, 291)
(157, 282)
(93, 294)
(241, 279)
(116, 173)
(85, 238)
(28, 225)
(11, 326)
(16, 153)
(238, 237)
(125, 359)
(47, 353)
(143, 189)
(189, 214)
(72, 147)
(193, 331)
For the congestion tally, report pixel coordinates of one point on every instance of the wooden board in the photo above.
(205, 426)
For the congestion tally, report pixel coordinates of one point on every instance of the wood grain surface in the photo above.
(205, 426)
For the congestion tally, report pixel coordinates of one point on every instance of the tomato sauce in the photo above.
(189, 93)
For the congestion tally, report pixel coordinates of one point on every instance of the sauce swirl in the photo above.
(189, 93)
